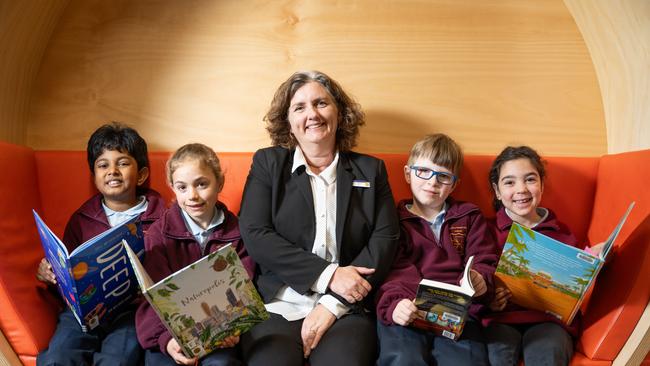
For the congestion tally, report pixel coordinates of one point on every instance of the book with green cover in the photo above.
(204, 302)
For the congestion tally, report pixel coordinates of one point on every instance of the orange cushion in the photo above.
(622, 178)
(157, 175)
(472, 187)
(395, 168)
(235, 166)
(60, 198)
(579, 359)
(569, 188)
(619, 298)
(27, 318)
(623, 289)
(64, 183)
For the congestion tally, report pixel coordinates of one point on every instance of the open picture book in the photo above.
(442, 307)
(204, 302)
(547, 275)
(95, 280)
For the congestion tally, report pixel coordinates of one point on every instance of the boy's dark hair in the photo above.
(117, 136)
(513, 153)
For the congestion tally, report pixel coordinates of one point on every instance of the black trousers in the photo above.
(351, 340)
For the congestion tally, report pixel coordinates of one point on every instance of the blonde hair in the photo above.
(198, 152)
(441, 150)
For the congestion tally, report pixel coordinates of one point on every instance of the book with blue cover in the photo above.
(96, 279)
(205, 302)
(547, 275)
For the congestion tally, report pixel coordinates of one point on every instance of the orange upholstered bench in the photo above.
(589, 194)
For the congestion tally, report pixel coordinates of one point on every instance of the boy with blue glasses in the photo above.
(437, 236)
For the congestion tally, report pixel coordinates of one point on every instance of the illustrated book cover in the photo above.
(547, 275)
(204, 302)
(96, 279)
(442, 307)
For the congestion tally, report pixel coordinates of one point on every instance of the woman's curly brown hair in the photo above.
(351, 117)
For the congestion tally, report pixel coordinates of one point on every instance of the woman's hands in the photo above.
(349, 283)
(405, 312)
(230, 342)
(317, 322)
(500, 300)
(45, 273)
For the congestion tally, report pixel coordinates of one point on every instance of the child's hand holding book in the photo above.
(45, 273)
(478, 282)
(174, 350)
(500, 300)
(405, 312)
(596, 249)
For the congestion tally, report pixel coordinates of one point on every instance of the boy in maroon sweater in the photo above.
(438, 234)
(117, 157)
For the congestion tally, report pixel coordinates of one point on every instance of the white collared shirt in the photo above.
(118, 217)
(201, 235)
(289, 303)
(436, 223)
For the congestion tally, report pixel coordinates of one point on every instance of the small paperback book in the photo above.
(547, 275)
(442, 307)
(205, 302)
(95, 280)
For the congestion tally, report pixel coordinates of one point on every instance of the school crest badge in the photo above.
(458, 237)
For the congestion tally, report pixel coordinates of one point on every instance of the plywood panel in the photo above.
(618, 36)
(487, 72)
(25, 29)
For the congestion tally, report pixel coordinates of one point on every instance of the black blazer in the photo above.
(278, 225)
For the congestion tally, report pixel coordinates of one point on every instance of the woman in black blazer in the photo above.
(320, 221)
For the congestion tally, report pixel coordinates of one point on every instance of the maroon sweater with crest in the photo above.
(420, 255)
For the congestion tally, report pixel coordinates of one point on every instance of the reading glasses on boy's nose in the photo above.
(426, 174)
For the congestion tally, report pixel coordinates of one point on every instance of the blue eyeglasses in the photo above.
(426, 174)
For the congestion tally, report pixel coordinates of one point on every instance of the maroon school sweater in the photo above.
(90, 219)
(514, 314)
(420, 255)
(169, 246)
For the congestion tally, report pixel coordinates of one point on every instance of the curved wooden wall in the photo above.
(492, 73)
(617, 34)
(25, 30)
(488, 73)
